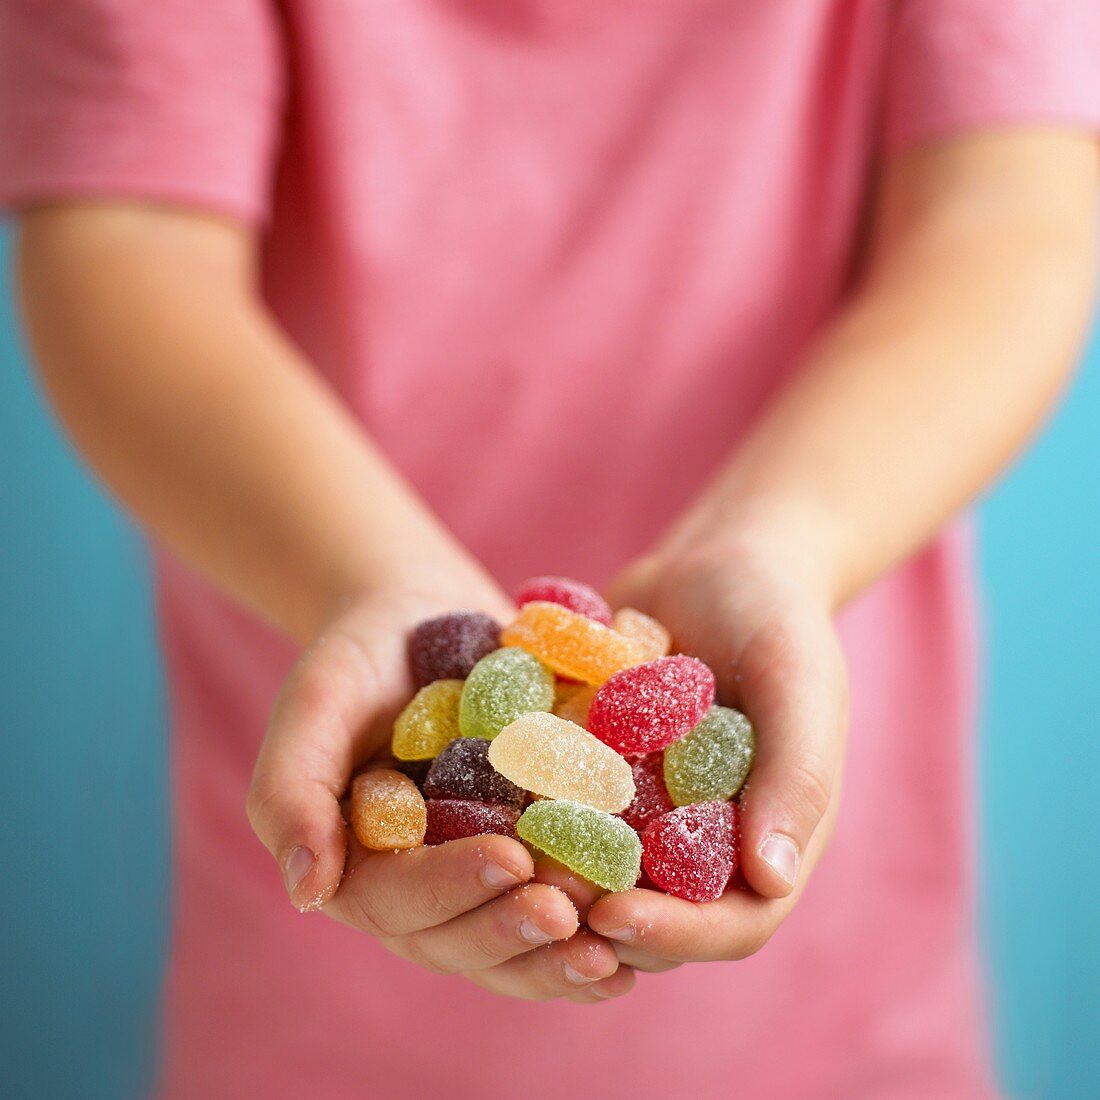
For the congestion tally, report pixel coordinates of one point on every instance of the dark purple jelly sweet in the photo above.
(448, 646)
(462, 770)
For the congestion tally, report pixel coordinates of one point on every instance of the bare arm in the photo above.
(166, 369)
(942, 365)
(947, 359)
(185, 397)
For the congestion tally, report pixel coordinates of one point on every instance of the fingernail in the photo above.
(780, 853)
(575, 977)
(531, 933)
(498, 878)
(624, 934)
(297, 867)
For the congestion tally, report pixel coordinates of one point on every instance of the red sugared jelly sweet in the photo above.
(644, 708)
(455, 818)
(692, 852)
(462, 770)
(448, 646)
(578, 597)
(651, 796)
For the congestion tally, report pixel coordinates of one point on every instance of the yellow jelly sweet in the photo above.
(429, 723)
(571, 644)
(387, 811)
(547, 755)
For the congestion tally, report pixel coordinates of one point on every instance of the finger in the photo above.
(639, 960)
(657, 925)
(618, 985)
(584, 894)
(557, 970)
(530, 917)
(387, 894)
(581, 892)
(633, 586)
(334, 693)
(793, 688)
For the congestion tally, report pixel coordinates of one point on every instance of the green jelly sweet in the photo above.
(501, 686)
(601, 848)
(712, 762)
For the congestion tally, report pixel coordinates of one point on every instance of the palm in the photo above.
(775, 653)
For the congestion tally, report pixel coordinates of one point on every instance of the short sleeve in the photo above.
(163, 100)
(959, 65)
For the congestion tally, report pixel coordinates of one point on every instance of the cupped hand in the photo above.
(468, 907)
(767, 632)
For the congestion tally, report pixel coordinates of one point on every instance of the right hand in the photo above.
(467, 907)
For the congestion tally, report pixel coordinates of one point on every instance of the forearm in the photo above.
(165, 368)
(925, 386)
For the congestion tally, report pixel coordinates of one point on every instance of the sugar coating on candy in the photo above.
(502, 686)
(448, 646)
(713, 761)
(644, 708)
(692, 851)
(573, 700)
(595, 845)
(387, 810)
(429, 722)
(650, 796)
(455, 818)
(650, 636)
(547, 755)
(578, 597)
(462, 770)
(572, 645)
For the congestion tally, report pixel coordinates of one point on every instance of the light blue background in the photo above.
(83, 813)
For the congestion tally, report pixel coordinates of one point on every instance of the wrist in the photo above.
(797, 540)
(410, 587)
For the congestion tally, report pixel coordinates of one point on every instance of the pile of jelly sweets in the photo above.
(573, 730)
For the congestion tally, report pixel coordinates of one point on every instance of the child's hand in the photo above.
(769, 638)
(465, 907)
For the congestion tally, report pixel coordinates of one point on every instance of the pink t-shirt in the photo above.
(555, 255)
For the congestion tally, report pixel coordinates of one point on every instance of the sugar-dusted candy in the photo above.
(712, 762)
(644, 708)
(448, 646)
(502, 686)
(692, 851)
(595, 845)
(455, 818)
(578, 597)
(547, 755)
(387, 811)
(653, 639)
(573, 700)
(572, 645)
(650, 796)
(429, 723)
(462, 770)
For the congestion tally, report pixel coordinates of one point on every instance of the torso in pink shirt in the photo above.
(556, 262)
(556, 254)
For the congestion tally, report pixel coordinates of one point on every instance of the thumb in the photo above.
(314, 739)
(794, 689)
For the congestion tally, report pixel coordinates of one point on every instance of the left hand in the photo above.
(744, 607)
